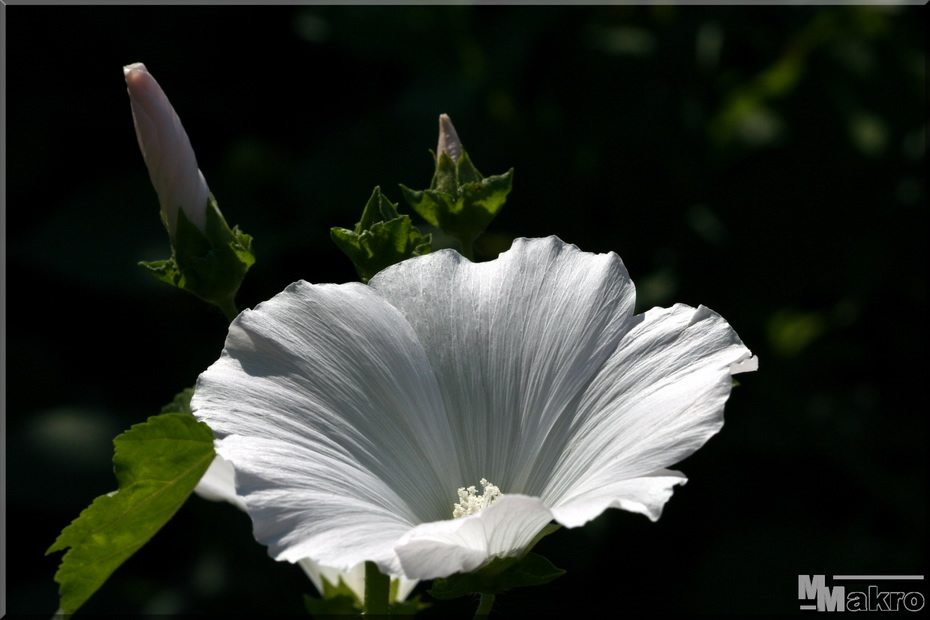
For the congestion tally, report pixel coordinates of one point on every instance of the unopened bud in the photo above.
(449, 142)
(460, 200)
(167, 151)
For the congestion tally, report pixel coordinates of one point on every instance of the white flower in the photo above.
(449, 142)
(167, 150)
(218, 484)
(353, 414)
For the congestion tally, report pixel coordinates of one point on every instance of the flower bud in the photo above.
(167, 151)
(449, 142)
(460, 201)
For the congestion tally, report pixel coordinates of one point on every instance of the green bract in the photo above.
(209, 264)
(341, 599)
(337, 599)
(382, 238)
(460, 201)
(158, 464)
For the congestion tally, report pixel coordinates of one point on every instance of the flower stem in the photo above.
(377, 591)
(484, 606)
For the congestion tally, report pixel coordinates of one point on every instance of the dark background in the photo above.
(766, 162)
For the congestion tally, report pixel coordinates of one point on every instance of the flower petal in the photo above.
(352, 413)
(442, 548)
(645, 495)
(449, 142)
(167, 150)
(324, 402)
(513, 341)
(354, 578)
(219, 483)
(658, 398)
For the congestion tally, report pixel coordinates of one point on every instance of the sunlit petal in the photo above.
(325, 403)
(658, 398)
(645, 495)
(513, 342)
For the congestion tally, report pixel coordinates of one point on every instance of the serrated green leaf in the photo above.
(157, 463)
(381, 238)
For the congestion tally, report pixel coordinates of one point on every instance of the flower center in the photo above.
(471, 503)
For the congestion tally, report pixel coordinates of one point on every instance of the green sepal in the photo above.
(339, 590)
(346, 605)
(157, 463)
(550, 528)
(181, 403)
(210, 264)
(409, 607)
(337, 599)
(498, 575)
(382, 238)
(340, 605)
(341, 599)
(450, 175)
(460, 201)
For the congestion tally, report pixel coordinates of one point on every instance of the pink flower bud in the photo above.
(167, 150)
(449, 142)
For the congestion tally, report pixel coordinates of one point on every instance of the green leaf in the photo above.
(382, 238)
(157, 463)
(498, 575)
(460, 201)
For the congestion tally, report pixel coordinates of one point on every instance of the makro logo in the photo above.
(888, 596)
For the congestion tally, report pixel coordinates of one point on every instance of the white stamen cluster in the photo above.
(471, 503)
